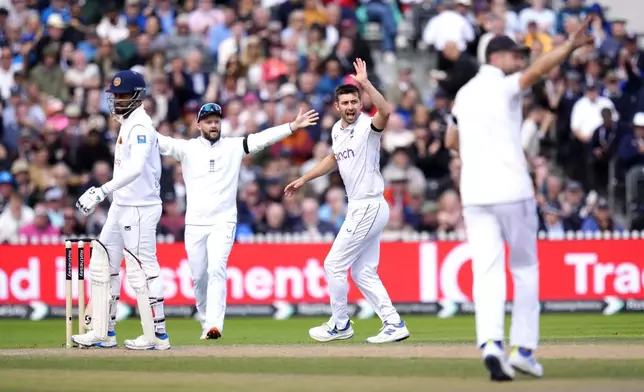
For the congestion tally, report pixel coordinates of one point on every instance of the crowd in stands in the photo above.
(263, 60)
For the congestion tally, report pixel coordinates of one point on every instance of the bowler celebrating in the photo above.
(211, 165)
(499, 201)
(130, 229)
(356, 154)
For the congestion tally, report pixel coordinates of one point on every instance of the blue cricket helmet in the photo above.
(126, 83)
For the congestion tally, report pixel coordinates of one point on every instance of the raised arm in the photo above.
(256, 142)
(171, 147)
(379, 120)
(556, 56)
(324, 167)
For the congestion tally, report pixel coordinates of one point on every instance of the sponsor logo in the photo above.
(345, 154)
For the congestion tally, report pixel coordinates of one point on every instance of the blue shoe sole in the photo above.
(493, 365)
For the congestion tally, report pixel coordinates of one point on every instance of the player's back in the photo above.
(137, 129)
(488, 113)
(357, 151)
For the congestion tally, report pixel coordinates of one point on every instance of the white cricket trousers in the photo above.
(357, 247)
(208, 248)
(135, 229)
(488, 228)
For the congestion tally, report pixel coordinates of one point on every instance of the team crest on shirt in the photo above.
(212, 165)
(120, 141)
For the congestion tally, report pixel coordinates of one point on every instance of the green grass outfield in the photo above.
(31, 360)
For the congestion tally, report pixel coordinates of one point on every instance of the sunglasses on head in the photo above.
(209, 109)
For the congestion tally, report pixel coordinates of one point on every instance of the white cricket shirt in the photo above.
(137, 162)
(488, 113)
(211, 171)
(357, 151)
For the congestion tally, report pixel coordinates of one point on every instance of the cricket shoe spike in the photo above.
(390, 333)
(496, 363)
(328, 332)
(161, 342)
(523, 361)
(89, 339)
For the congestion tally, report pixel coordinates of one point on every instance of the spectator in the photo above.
(49, 78)
(113, 28)
(400, 161)
(553, 222)
(573, 206)
(601, 219)
(448, 26)
(397, 221)
(310, 222)
(334, 208)
(631, 147)
(572, 8)
(585, 119)
(172, 221)
(320, 151)
(41, 226)
(602, 146)
(54, 202)
(275, 221)
(13, 217)
(449, 217)
(71, 225)
(544, 18)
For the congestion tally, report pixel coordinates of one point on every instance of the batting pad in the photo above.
(99, 271)
(138, 282)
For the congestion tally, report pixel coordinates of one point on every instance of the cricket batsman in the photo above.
(498, 199)
(356, 154)
(211, 165)
(130, 229)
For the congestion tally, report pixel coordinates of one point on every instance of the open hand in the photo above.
(361, 71)
(293, 187)
(581, 37)
(304, 120)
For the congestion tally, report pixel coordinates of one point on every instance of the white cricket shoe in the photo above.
(525, 362)
(496, 362)
(328, 332)
(162, 342)
(89, 339)
(390, 333)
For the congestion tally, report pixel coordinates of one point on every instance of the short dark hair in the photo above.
(346, 89)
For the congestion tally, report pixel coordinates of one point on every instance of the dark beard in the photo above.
(212, 140)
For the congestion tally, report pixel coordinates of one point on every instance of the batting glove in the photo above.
(89, 200)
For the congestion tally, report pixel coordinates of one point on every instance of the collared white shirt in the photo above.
(137, 142)
(357, 151)
(448, 26)
(488, 113)
(211, 175)
(211, 171)
(586, 115)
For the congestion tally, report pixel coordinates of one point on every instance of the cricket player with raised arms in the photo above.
(356, 154)
(498, 199)
(211, 165)
(130, 228)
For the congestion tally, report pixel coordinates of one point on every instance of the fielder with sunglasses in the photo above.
(211, 165)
